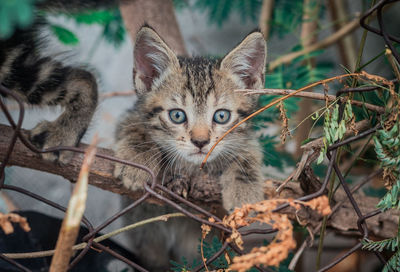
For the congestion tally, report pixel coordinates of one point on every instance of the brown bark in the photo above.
(308, 37)
(204, 190)
(348, 28)
(265, 17)
(159, 14)
(339, 13)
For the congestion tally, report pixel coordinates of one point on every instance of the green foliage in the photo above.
(64, 35)
(387, 147)
(273, 157)
(334, 129)
(114, 30)
(295, 75)
(13, 14)
(209, 249)
(287, 17)
(391, 199)
(184, 266)
(393, 264)
(219, 11)
(392, 244)
(221, 262)
(389, 244)
(110, 20)
(93, 17)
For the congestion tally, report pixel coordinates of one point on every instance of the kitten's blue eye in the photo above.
(222, 116)
(177, 116)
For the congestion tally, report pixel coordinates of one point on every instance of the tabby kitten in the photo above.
(184, 105)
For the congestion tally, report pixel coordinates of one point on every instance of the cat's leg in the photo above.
(242, 181)
(134, 145)
(42, 81)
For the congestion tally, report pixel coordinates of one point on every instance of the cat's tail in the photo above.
(44, 81)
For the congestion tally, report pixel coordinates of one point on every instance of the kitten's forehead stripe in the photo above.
(199, 77)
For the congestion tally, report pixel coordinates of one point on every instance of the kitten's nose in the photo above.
(200, 142)
(200, 135)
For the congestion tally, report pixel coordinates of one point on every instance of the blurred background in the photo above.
(99, 40)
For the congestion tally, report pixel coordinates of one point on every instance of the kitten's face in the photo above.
(189, 103)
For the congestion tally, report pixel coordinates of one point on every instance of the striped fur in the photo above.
(147, 135)
(200, 87)
(42, 81)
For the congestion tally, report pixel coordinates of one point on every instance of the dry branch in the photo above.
(265, 17)
(345, 30)
(204, 190)
(316, 96)
(73, 216)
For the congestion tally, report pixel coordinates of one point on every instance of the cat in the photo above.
(40, 80)
(184, 105)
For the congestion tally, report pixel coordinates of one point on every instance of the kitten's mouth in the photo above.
(198, 153)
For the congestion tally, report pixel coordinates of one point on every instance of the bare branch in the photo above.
(348, 28)
(72, 219)
(204, 190)
(265, 17)
(317, 96)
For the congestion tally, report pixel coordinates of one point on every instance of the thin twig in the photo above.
(348, 28)
(47, 253)
(72, 220)
(316, 96)
(276, 101)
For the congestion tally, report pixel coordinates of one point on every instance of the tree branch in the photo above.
(348, 28)
(101, 171)
(317, 96)
(265, 17)
(204, 190)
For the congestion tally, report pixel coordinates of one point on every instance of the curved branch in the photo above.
(317, 96)
(204, 190)
(348, 28)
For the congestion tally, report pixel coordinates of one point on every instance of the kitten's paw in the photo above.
(49, 134)
(130, 177)
(180, 185)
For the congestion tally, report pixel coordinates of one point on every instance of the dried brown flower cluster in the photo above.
(6, 221)
(280, 247)
(285, 122)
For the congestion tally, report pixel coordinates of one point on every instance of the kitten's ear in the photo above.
(246, 62)
(153, 60)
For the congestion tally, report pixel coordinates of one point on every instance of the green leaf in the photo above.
(64, 35)
(94, 17)
(14, 14)
(219, 11)
(114, 30)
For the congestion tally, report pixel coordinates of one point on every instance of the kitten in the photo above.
(43, 81)
(184, 106)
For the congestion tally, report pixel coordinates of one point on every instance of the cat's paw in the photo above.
(50, 134)
(131, 177)
(180, 185)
